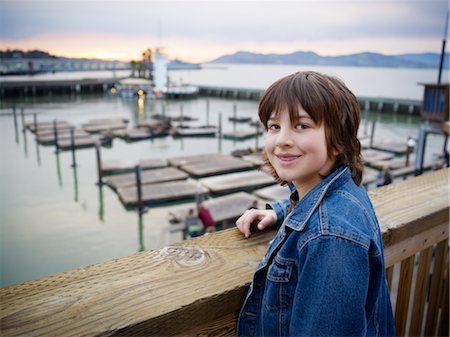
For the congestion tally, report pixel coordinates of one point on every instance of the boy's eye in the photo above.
(302, 126)
(273, 127)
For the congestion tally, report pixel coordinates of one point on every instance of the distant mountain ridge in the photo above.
(366, 59)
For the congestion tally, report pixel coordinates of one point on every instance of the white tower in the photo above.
(159, 71)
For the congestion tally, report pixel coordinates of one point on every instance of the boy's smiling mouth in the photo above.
(287, 157)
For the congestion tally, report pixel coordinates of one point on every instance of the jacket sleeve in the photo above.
(332, 287)
(280, 207)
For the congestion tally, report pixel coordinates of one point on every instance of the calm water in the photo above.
(54, 218)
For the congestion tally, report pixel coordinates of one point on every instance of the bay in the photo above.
(55, 218)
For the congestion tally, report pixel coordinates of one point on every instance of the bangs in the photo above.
(290, 94)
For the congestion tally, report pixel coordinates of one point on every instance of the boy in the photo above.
(323, 274)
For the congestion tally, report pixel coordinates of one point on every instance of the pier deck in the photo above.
(191, 159)
(48, 126)
(123, 166)
(195, 132)
(160, 192)
(275, 192)
(225, 208)
(241, 134)
(240, 181)
(372, 155)
(82, 143)
(147, 177)
(396, 147)
(216, 165)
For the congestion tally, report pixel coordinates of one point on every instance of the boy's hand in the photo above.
(264, 217)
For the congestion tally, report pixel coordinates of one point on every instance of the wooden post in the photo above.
(99, 164)
(35, 124)
(72, 145)
(181, 115)
(22, 116)
(257, 137)
(16, 128)
(137, 170)
(372, 133)
(220, 132)
(55, 133)
(207, 111)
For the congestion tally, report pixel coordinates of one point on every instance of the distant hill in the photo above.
(20, 54)
(367, 59)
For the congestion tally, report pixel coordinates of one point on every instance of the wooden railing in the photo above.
(196, 287)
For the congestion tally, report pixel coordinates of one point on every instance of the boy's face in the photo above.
(298, 151)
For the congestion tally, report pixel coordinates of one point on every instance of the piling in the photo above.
(257, 137)
(16, 128)
(372, 133)
(72, 145)
(207, 111)
(35, 124)
(22, 116)
(99, 164)
(220, 132)
(55, 132)
(137, 170)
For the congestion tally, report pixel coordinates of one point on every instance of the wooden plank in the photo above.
(216, 165)
(95, 128)
(124, 166)
(275, 192)
(420, 292)
(396, 147)
(231, 182)
(109, 120)
(195, 132)
(241, 134)
(443, 329)
(185, 160)
(225, 208)
(168, 291)
(81, 143)
(389, 276)
(370, 155)
(49, 138)
(147, 177)
(158, 193)
(404, 290)
(436, 291)
(46, 126)
(254, 158)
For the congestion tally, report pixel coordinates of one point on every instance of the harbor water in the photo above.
(54, 217)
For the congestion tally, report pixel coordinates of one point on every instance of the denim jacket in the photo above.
(323, 274)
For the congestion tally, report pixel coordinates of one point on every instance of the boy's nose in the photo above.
(284, 138)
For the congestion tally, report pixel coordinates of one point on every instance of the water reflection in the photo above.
(25, 143)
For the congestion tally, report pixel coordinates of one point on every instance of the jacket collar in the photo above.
(298, 219)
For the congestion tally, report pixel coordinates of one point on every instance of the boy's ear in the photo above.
(335, 152)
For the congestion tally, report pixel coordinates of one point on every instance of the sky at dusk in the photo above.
(199, 31)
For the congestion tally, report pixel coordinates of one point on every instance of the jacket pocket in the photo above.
(277, 291)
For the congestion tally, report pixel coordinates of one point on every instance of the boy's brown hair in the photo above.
(327, 100)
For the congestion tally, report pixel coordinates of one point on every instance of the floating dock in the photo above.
(96, 128)
(48, 137)
(147, 177)
(242, 134)
(242, 181)
(185, 160)
(123, 166)
(82, 143)
(225, 208)
(216, 165)
(159, 193)
(275, 192)
(195, 132)
(371, 155)
(48, 126)
(397, 147)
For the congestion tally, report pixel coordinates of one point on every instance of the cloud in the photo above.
(232, 25)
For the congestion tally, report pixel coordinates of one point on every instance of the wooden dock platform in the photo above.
(147, 177)
(241, 181)
(275, 192)
(254, 158)
(185, 160)
(160, 192)
(48, 126)
(241, 134)
(397, 147)
(123, 166)
(96, 128)
(372, 155)
(240, 119)
(195, 132)
(48, 137)
(225, 208)
(82, 143)
(216, 165)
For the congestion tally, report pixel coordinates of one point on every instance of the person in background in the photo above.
(193, 227)
(384, 177)
(323, 274)
(205, 216)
